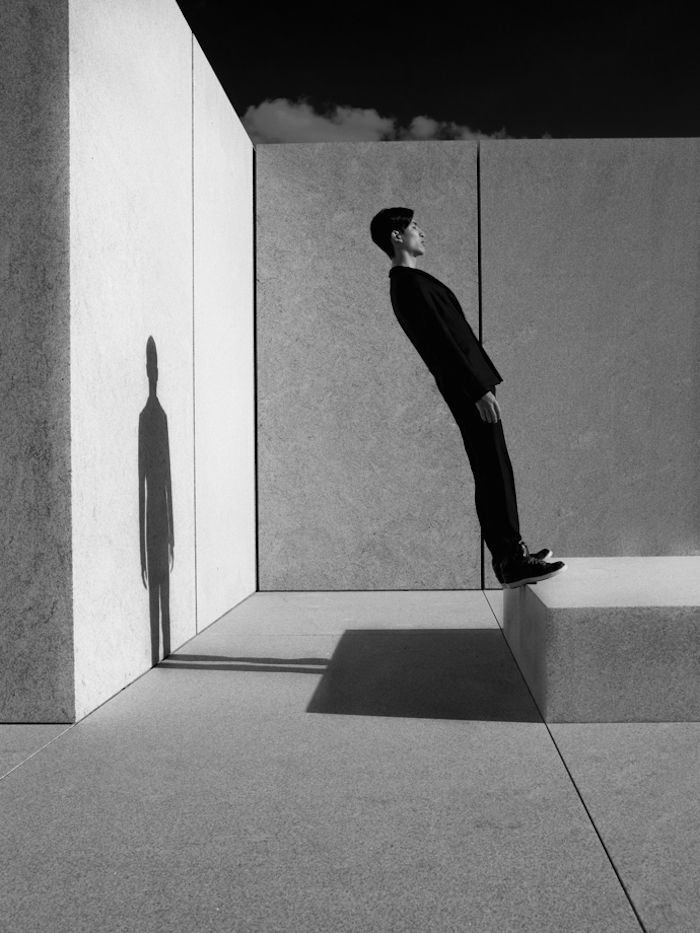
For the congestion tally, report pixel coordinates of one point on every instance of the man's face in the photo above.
(411, 239)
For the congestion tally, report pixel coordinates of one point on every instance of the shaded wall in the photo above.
(590, 275)
(224, 358)
(36, 644)
(363, 480)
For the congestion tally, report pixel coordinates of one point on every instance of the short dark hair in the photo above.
(151, 356)
(387, 220)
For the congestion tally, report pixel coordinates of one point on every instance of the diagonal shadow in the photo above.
(217, 662)
(426, 674)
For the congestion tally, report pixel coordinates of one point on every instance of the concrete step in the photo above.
(614, 639)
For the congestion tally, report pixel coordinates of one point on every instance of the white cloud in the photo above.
(423, 128)
(287, 121)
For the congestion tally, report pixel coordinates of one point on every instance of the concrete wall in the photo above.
(161, 239)
(126, 202)
(363, 480)
(224, 357)
(36, 646)
(591, 268)
(590, 311)
(131, 278)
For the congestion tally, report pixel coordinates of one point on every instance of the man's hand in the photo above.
(488, 408)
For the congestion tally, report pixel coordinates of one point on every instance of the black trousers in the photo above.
(496, 502)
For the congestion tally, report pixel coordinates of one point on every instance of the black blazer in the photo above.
(435, 324)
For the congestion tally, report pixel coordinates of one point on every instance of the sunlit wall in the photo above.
(589, 274)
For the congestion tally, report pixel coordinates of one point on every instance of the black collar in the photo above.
(395, 269)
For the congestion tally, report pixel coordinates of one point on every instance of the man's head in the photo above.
(151, 360)
(394, 230)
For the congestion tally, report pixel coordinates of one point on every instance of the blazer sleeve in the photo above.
(440, 337)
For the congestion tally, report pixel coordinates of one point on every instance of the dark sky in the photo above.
(562, 69)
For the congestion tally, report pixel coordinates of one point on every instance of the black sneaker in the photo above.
(544, 554)
(521, 570)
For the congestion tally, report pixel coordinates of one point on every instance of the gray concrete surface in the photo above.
(590, 260)
(589, 270)
(36, 636)
(363, 479)
(613, 639)
(207, 797)
(19, 741)
(224, 390)
(640, 784)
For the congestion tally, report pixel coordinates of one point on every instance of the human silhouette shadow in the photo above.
(156, 536)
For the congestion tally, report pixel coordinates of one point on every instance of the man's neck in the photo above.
(408, 261)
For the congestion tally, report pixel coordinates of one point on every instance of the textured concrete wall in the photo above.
(363, 480)
(131, 278)
(224, 363)
(590, 311)
(590, 308)
(97, 255)
(36, 650)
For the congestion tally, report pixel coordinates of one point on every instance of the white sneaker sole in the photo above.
(534, 579)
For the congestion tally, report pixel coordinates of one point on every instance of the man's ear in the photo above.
(396, 236)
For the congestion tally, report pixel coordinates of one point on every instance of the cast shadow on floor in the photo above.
(466, 674)
(217, 662)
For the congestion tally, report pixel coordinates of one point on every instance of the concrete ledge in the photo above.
(614, 639)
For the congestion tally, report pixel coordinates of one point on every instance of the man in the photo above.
(434, 322)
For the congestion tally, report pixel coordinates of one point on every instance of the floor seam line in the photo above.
(572, 781)
(41, 749)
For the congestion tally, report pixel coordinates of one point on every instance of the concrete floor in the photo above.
(347, 762)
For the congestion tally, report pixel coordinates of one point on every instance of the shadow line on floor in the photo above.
(215, 662)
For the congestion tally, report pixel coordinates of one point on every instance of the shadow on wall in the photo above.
(466, 674)
(157, 540)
